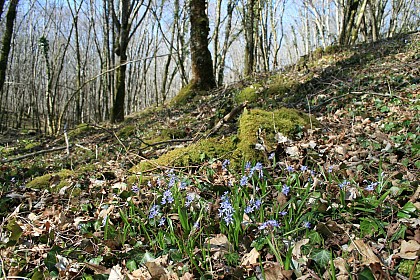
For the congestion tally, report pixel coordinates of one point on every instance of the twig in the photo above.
(235, 111)
(356, 93)
(34, 154)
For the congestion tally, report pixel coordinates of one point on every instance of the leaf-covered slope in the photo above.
(88, 212)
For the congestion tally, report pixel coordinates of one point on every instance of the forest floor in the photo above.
(177, 192)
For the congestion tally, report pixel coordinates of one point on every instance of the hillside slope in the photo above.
(351, 116)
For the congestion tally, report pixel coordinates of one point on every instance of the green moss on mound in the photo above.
(280, 86)
(193, 154)
(81, 128)
(283, 120)
(186, 94)
(249, 94)
(127, 131)
(56, 180)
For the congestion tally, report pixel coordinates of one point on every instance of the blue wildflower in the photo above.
(189, 200)
(135, 189)
(285, 190)
(167, 197)
(226, 210)
(271, 156)
(183, 185)
(330, 169)
(303, 168)
(196, 225)
(269, 224)
(371, 186)
(154, 211)
(259, 168)
(283, 213)
(290, 168)
(225, 163)
(247, 165)
(161, 222)
(244, 181)
(307, 224)
(253, 205)
(344, 184)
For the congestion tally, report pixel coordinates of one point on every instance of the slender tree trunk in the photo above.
(226, 43)
(249, 25)
(7, 39)
(360, 15)
(201, 62)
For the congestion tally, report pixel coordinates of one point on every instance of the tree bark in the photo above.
(7, 39)
(123, 25)
(201, 61)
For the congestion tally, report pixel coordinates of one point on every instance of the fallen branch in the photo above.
(355, 93)
(34, 154)
(235, 111)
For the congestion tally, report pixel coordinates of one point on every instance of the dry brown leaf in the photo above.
(409, 250)
(250, 258)
(273, 271)
(220, 242)
(187, 276)
(116, 273)
(368, 257)
(155, 270)
(140, 274)
(340, 264)
(292, 151)
(99, 269)
(296, 253)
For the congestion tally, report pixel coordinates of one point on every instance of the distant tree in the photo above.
(201, 61)
(126, 22)
(7, 38)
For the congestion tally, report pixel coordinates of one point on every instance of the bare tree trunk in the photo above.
(7, 39)
(249, 27)
(226, 43)
(123, 24)
(349, 14)
(360, 15)
(201, 62)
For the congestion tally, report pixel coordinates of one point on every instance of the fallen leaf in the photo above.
(296, 252)
(187, 276)
(292, 151)
(409, 250)
(273, 271)
(156, 270)
(250, 258)
(368, 257)
(341, 265)
(116, 273)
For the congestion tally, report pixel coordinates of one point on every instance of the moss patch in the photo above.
(405, 269)
(83, 127)
(280, 86)
(56, 180)
(194, 154)
(32, 145)
(127, 131)
(250, 94)
(186, 94)
(283, 120)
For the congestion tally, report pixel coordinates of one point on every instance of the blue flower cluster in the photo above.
(371, 186)
(270, 224)
(154, 211)
(253, 205)
(167, 197)
(285, 190)
(226, 210)
(344, 184)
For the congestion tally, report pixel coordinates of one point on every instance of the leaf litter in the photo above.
(366, 154)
